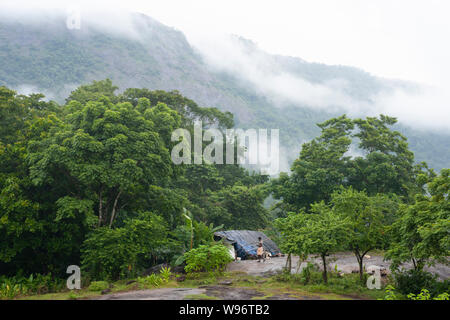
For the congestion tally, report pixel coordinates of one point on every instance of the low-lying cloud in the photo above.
(426, 108)
(421, 107)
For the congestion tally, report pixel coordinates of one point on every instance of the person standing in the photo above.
(260, 253)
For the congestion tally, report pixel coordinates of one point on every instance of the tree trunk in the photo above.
(361, 273)
(299, 264)
(100, 209)
(288, 265)
(324, 274)
(192, 235)
(360, 258)
(114, 209)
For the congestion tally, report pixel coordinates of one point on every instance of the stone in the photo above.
(106, 291)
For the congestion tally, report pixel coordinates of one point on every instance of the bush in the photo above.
(207, 258)
(425, 295)
(307, 272)
(165, 274)
(309, 275)
(413, 281)
(19, 285)
(108, 253)
(98, 286)
(155, 280)
(118, 253)
(152, 280)
(390, 294)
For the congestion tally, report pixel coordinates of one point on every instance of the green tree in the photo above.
(366, 220)
(322, 232)
(320, 169)
(421, 233)
(106, 152)
(116, 253)
(384, 166)
(94, 91)
(388, 164)
(239, 207)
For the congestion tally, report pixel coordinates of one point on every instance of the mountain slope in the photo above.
(49, 57)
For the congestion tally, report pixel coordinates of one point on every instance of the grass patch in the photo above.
(346, 287)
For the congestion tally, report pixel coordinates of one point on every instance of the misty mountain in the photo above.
(261, 90)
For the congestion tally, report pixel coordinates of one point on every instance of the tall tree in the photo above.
(322, 232)
(366, 220)
(421, 234)
(105, 152)
(383, 163)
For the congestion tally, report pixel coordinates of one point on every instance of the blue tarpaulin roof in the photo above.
(246, 242)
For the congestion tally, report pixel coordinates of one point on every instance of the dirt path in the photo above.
(155, 294)
(345, 262)
(213, 291)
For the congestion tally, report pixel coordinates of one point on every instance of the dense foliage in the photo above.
(207, 258)
(91, 183)
(377, 199)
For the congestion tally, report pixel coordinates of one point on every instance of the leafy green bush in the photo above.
(98, 285)
(10, 291)
(117, 253)
(413, 281)
(425, 295)
(309, 272)
(34, 284)
(108, 253)
(153, 280)
(165, 274)
(390, 294)
(207, 258)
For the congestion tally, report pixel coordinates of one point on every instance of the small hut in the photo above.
(245, 242)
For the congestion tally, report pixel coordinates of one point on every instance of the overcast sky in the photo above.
(401, 39)
(405, 39)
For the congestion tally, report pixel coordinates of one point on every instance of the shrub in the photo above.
(10, 291)
(19, 285)
(307, 272)
(108, 253)
(98, 286)
(155, 280)
(151, 280)
(424, 294)
(207, 258)
(390, 293)
(165, 274)
(115, 253)
(413, 281)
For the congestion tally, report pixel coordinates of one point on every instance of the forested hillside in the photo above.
(91, 182)
(49, 58)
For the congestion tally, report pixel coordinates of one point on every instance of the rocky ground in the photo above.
(345, 262)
